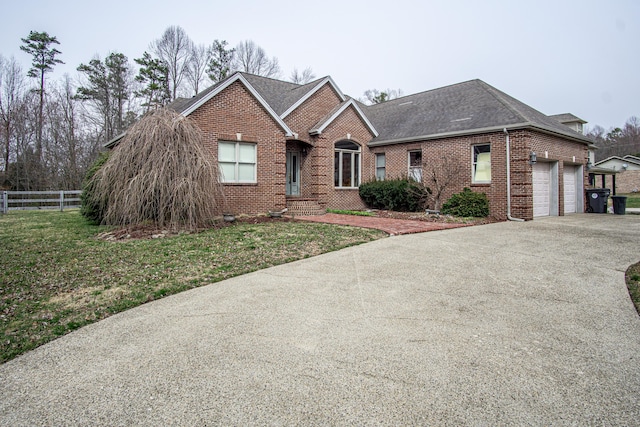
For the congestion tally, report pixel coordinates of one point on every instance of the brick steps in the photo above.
(304, 207)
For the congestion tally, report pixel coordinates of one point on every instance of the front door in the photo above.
(293, 173)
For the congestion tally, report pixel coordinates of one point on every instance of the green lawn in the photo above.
(633, 200)
(57, 275)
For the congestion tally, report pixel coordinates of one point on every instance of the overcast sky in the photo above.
(578, 56)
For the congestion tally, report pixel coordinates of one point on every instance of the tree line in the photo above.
(52, 131)
(617, 141)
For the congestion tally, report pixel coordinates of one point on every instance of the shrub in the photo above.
(159, 173)
(90, 207)
(467, 204)
(394, 194)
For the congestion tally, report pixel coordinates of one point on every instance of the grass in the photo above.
(633, 200)
(57, 276)
(633, 284)
(347, 212)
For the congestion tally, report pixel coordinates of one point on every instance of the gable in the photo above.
(327, 81)
(217, 89)
(312, 110)
(338, 112)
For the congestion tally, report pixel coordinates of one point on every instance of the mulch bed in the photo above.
(153, 232)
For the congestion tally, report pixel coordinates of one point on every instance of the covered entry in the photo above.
(293, 173)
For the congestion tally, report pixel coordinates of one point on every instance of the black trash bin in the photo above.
(597, 200)
(619, 204)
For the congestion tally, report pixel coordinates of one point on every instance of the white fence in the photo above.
(33, 200)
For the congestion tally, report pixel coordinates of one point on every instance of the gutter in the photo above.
(509, 217)
(517, 126)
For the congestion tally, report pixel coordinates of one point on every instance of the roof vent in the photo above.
(405, 103)
(461, 120)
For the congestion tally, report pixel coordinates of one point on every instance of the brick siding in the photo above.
(236, 113)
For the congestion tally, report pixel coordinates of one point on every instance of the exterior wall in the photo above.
(452, 159)
(626, 182)
(235, 115)
(235, 111)
(550, 148)
(314, 109)
(348, 126)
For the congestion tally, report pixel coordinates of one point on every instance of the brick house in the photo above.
(308, 147)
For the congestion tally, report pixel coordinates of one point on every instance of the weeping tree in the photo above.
(158, 174)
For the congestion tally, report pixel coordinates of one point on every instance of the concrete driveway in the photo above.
(501, 324)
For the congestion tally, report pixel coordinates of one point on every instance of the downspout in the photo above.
(509, 217)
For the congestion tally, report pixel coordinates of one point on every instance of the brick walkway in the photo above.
(388, 225)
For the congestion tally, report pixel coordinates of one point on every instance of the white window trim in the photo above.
(340, 163)
(473, 164)
(237, 145)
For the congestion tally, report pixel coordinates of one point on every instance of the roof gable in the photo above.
(333, 115)
(216, 89)
(317, 86)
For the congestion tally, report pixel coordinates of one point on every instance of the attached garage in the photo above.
(545, 189)
(573, 201)
(541, 189)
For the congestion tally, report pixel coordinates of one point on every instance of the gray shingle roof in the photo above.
(280, 95)
(463, 108)
(567, 118)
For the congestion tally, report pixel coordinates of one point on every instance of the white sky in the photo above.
(577, 56)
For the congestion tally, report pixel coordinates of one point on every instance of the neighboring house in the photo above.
(308, 147)
(626, 170)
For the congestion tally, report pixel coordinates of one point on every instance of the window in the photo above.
(481, 163)
(237, 162)
(381, 163)
(415, 165)
(346, 165)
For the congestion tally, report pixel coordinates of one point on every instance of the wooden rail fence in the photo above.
(33, 200)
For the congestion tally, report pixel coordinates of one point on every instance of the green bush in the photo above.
(467, 204)
(394, 194)
(91, 208)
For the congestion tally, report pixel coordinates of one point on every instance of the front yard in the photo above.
(58, 275)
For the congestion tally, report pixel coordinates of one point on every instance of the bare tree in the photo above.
(197, 66)
(374, 96)
(11, 99)
(441, 176)
(303, 77)
(618, 141)
(251, 58)
(174, 48)
(66, 145)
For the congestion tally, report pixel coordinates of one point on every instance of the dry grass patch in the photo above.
(58, 275)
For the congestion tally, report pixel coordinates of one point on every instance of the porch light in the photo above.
(533, 159)
(304, 151)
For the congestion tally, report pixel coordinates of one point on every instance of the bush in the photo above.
(467, 204)
(394, 194)
(90, 208)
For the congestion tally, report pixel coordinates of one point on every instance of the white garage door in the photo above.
(541, 189)
(570, 190)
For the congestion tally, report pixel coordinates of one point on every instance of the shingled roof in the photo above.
(471, 107)
(461, 109)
